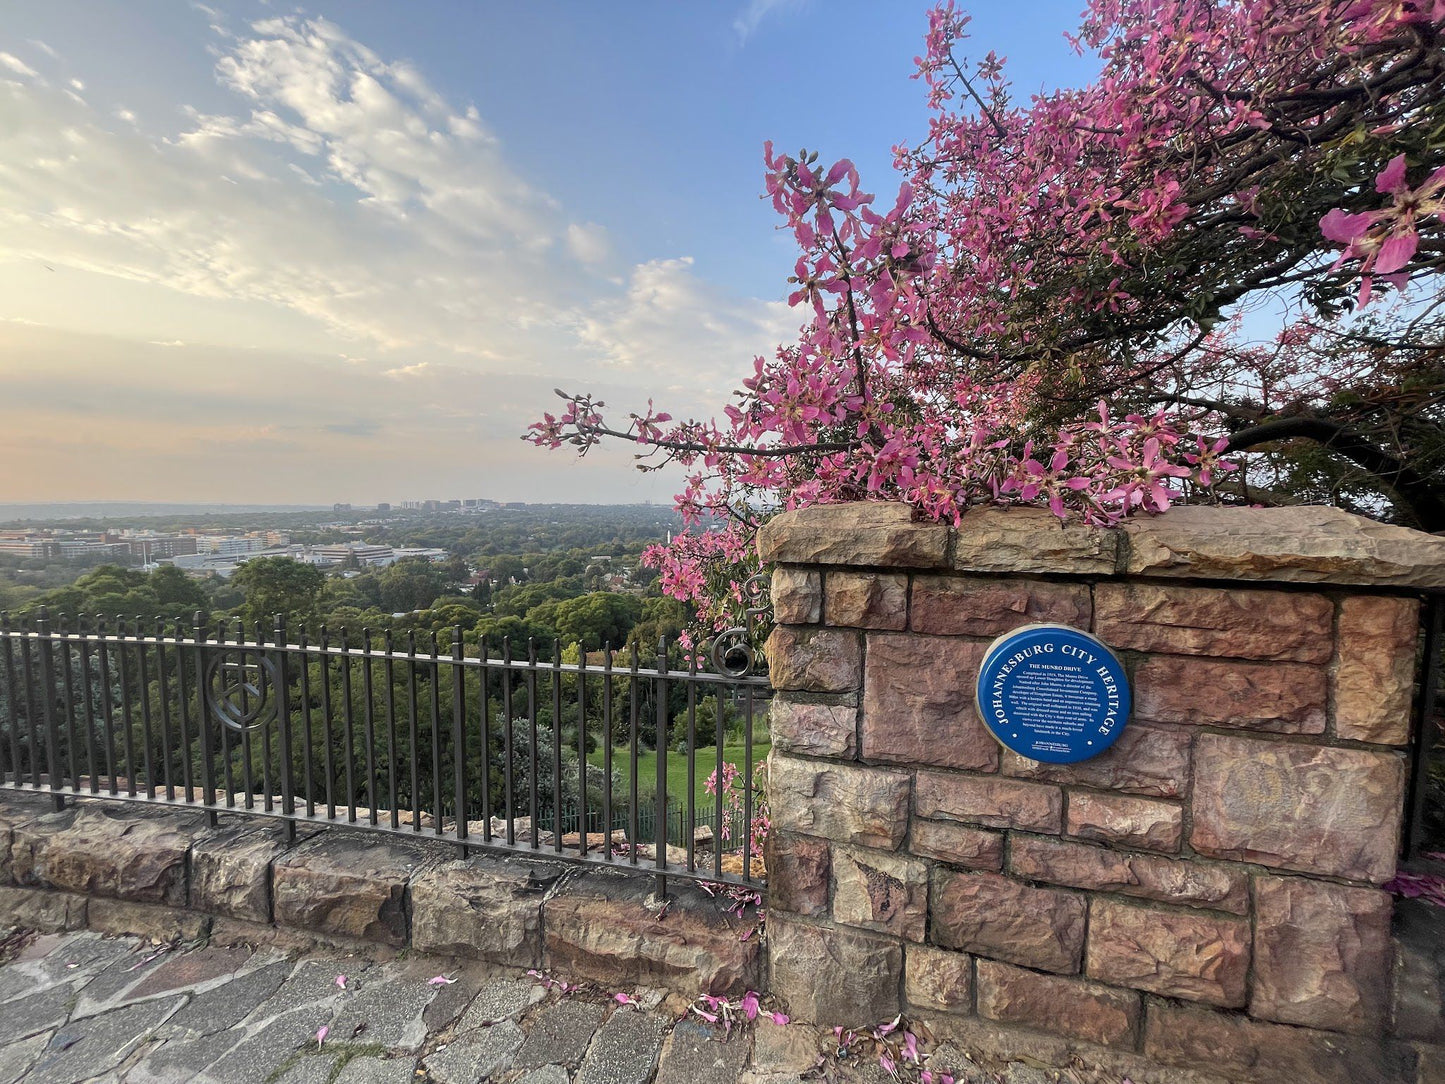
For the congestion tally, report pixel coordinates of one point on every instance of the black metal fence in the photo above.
(417, 735)
(1424, 843)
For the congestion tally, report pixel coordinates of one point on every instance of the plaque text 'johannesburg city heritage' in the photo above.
(1053, 693)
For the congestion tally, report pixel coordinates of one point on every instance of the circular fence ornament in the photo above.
(732, 652)
(1053, 693)
(239, 687)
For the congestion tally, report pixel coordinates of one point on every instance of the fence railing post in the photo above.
(203, 724)
(283, 727)
(660, 744)
(459, 736)
(47, 700)
(1434, 622)
(12, 699)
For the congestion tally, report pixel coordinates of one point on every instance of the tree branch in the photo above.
(732, 449)
(1415, 491)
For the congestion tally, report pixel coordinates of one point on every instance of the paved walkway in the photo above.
(82, 1007)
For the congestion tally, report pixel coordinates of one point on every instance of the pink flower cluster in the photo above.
(932, 352)
(733, 805)
(1386, 239)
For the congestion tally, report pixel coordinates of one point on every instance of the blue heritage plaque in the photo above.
(1052, 693)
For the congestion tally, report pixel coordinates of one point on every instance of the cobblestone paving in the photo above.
(82, 1007)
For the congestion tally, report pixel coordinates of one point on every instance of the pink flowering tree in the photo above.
(1060, 305)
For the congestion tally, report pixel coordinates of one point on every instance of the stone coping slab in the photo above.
(1306, 544)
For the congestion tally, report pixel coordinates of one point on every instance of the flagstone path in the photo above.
(116, 1010)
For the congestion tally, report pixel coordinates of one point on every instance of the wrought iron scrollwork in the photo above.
(733, 653)
(240, 689)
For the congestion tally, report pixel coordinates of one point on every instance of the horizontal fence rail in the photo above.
(574, 758)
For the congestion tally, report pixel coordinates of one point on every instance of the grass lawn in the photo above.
(677, 768)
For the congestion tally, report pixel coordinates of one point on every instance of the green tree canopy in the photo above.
(411, 584)
(278, 585)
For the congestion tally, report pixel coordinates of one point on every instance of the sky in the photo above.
(260, 253)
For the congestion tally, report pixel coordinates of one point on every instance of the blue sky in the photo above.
(255, 252)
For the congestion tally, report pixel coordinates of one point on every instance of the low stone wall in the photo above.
(166, 873)
(1206, 894)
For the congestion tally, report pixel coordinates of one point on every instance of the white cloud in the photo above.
(748, 19)
(18, 66)
(673, 331)
(340, 200)
(405, 227)
(47, 50)
(589, 242)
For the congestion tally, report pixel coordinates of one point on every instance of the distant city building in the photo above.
(383, 507)
(427, 553)
(228, 545)
(29, 547)
(341, 508)
(88, 548)
(364, 552)
(156, 547)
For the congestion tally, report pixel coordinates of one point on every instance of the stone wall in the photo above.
(1205, 895)
(168, 873)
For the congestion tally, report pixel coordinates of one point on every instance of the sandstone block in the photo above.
(1177, 953)
(41, 909)
(1144, 759)
(861, 533)
(1193, 883)
(815, 730)
(1031, 540)
(1280, 698)
(1374, 682)
(867, 600)
(231, 870)
(959, 844)
(814, 659)
(988, 606)
(799, 873)
(1252, 1052)
(9, 817)
(349, 885)
(866, 806)
(797, 596)
(1321, 954)
(132, 854)
(487, 908)
(832, 976)
(993, 802)
(937, 980)
(121, 918)
(604, 926)
(918, 703)
(990, 915)
(1226, 622)
(1302, 807)
(1130, 822)
(1304, 544)
(880, 890)
(1077, 1008)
